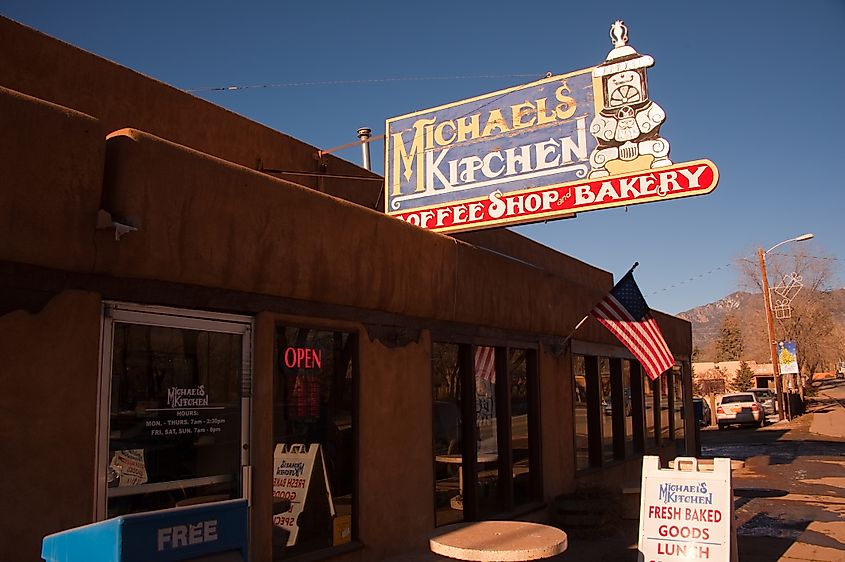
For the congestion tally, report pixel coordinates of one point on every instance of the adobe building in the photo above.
(726, 372)
(178, 326)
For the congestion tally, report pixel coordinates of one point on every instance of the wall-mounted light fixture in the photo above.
(106, 221)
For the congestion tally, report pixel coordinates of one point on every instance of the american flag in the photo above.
(625, 313)
(485, 364)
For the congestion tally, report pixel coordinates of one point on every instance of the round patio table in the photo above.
(457, 502)
(489, 541)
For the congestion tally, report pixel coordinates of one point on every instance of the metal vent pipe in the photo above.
(364, 135)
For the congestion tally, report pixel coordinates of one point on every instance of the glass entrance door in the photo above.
(174, 408)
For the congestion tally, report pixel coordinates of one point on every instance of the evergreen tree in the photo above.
(729, 346)
(744, 377)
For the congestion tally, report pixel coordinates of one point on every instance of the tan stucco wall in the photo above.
(48, 412)
(52, 173)
(237, 213)
(557, 422)
(208, 222)
(396, 476)
(206, 218)
(44, 67)
(678, 334)
(519, 247)
(262, 437)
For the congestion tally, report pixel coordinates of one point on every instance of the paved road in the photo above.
(791, 494)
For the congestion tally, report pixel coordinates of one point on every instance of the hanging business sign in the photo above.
(546, 150)
(787, 358)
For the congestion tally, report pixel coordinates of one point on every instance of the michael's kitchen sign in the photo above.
(546, 150)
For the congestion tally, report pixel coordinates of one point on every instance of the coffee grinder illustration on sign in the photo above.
(627, 123)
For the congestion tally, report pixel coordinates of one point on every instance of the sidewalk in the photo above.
(787, 510)
(823, 540)
(828, 420)
(803, 523)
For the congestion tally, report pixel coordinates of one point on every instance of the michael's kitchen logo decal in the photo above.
(187, 397)
(565, 144)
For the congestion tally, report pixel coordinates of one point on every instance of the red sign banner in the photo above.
(671, 182)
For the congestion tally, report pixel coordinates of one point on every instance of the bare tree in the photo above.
(712, 381)
(811, 323)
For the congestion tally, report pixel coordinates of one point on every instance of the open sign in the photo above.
(302, 358)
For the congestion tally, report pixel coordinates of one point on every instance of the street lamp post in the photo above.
(769, 323)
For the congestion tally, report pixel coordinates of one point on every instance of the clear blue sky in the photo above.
(757, 87)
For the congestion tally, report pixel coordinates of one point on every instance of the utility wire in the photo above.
(535, 76)
(828, 258)
(691, 279)
(730, 265)
(358, 81)
(384, 136)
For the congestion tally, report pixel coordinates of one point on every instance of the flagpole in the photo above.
(575, 329)
(584, 319)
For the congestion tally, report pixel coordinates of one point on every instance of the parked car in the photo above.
(702, 411)
(739, 408)
(608, 408)
(766, 398)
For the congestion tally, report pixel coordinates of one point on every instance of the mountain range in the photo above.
(748, 308)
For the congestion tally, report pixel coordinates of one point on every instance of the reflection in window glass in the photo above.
(649, 413)
(446, 434)
(678, 393)
(607, 410)
(175, 421)
(520, 439)
(492, 416)
(312, 429)
(665, 414)
(484, 374)
(629, 419)
(582, 449)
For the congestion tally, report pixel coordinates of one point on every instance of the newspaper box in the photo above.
(211, 532)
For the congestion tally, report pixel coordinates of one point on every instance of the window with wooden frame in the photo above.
(616, 408)
(314, 412)
(485, 430)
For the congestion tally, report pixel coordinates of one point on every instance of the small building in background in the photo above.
(710, 376)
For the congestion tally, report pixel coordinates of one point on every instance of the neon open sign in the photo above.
(302, 358)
